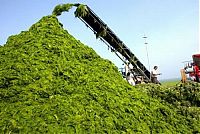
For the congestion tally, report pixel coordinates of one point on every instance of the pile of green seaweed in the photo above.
(52, 83)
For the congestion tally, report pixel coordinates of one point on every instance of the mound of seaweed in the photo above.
(184, 96)
(52, 83)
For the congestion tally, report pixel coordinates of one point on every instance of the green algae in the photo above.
(52, 83)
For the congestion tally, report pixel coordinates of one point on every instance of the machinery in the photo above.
(103, 32)
(192, 69)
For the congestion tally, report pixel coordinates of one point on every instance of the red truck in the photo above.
(193, 68)
(196, 66)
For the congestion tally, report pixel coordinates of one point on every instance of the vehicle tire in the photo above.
(197, 79)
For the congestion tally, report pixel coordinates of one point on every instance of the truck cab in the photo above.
(196, 67)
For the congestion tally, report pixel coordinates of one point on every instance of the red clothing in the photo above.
(196, 69)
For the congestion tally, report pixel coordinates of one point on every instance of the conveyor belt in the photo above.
(108, 36)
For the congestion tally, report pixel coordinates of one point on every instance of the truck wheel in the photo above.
(197, 79)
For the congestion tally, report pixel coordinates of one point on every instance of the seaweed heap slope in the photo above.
(52, 83)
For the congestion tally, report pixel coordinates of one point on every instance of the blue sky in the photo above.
(172, 27)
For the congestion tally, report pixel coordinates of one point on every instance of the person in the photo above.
(130, 67)
(154, 75)
(183, 76)
(196, 72)
(126, 69)
(130, 79)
